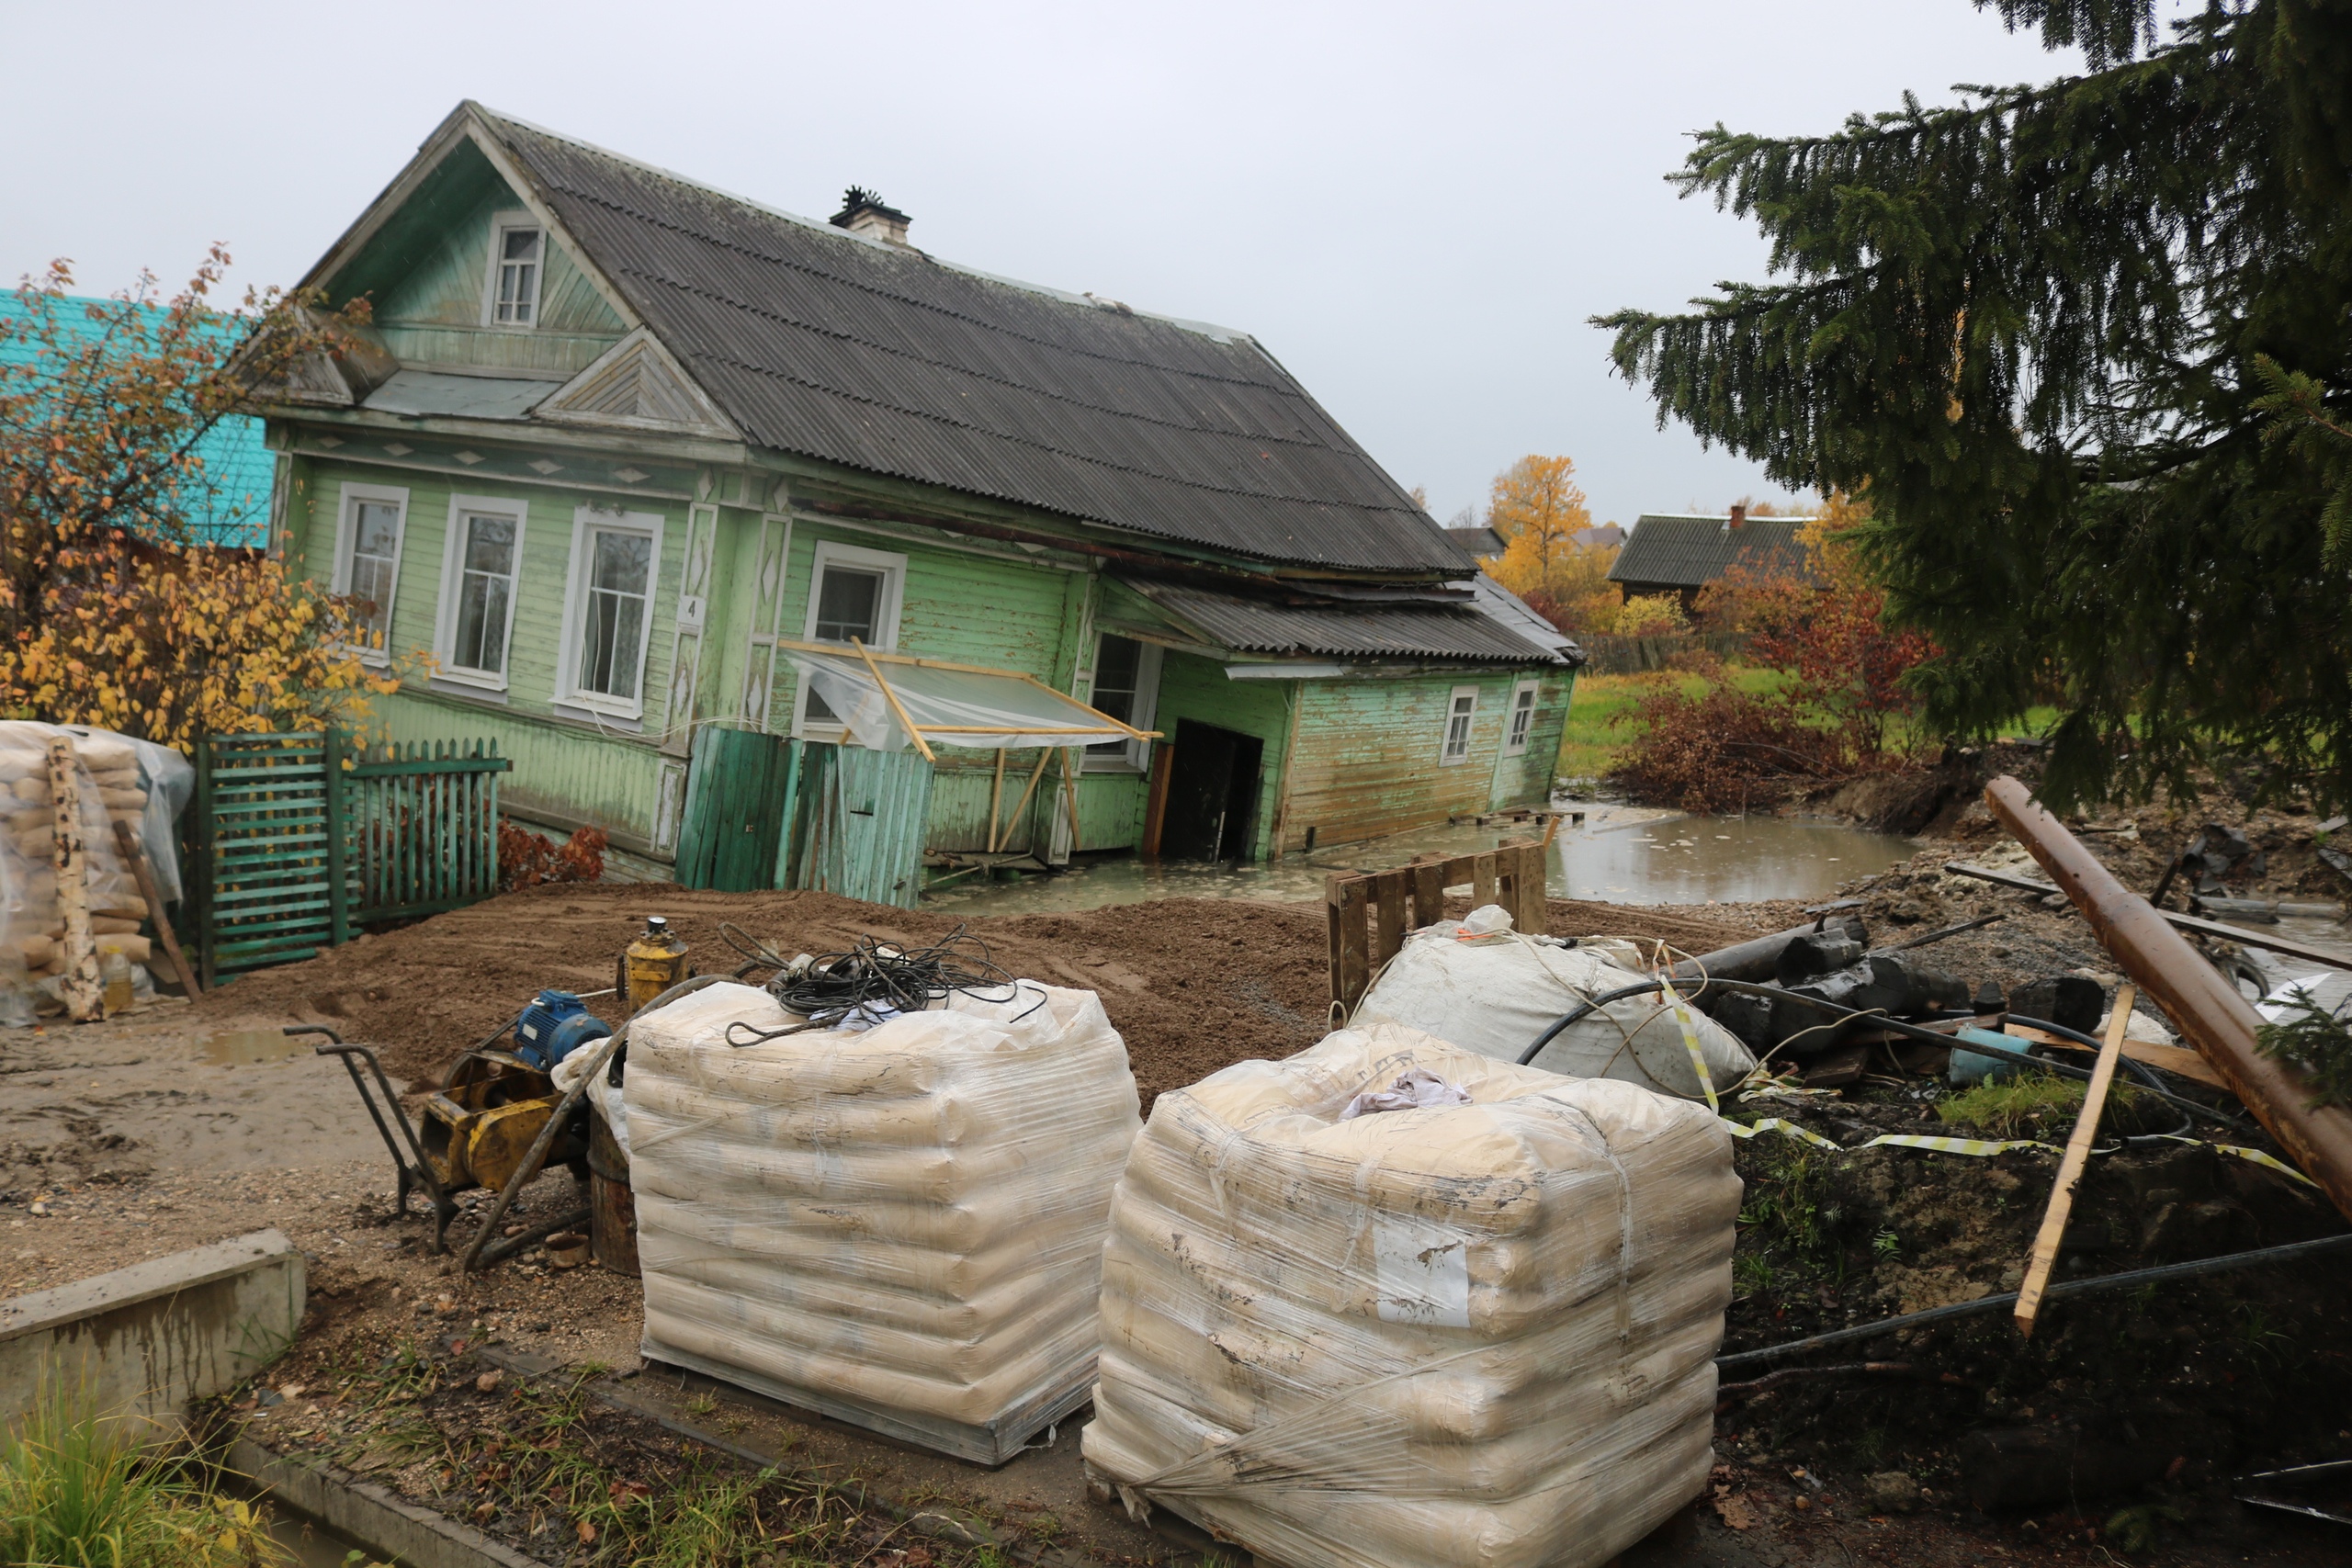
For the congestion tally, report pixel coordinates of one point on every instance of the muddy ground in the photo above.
(122, 1141)
(1191, 985)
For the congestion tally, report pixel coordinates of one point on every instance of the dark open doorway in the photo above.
(1212, 793)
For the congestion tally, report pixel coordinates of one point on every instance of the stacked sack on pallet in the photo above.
(899, 1225)
(1492, 989)
(119, 779)
(1390, 1303)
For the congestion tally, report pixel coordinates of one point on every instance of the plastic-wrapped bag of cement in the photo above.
(1478, 1329)
(900, 1226)
(118, 779)
(1487, 987)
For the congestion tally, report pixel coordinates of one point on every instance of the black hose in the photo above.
(2293, 1252)
(1878, 1019)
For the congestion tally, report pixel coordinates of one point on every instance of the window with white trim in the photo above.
(367, 561)
(852, 593)
(1523, 719)
(478, 571)
(608, 611)
(517, 259)
(1126, 686)
(1461, 709)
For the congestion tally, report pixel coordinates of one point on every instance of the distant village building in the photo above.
(1682, 553)
(618, 445)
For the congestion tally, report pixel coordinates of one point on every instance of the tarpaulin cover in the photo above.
(995, 708)
(1468, 1336)
(1491, 989)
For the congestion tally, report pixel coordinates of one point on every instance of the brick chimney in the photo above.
(1738, 513)
(865, 212)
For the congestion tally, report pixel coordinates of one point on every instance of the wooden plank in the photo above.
(1155, 810)
(1429, 892)
(1344, 899)
(1389, 891)
(1534, 896)
(2175, 1059)
(2070, 1168)
(996, 798)
(1482, 878)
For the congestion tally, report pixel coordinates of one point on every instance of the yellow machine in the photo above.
(651, 964)
(478, 1130)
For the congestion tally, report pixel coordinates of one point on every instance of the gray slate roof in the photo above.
(1683, 550)
(1468, 631)
(838, 347)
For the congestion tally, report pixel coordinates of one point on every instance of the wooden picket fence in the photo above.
(297, 841)
(1371, 911)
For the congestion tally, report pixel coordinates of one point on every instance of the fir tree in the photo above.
(2087, 347)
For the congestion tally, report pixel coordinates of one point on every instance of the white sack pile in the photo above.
(1474, 1333)
(900, 1226)
(1487, 988)
(112, 789)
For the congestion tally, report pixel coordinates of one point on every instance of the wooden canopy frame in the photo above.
(1109, 729)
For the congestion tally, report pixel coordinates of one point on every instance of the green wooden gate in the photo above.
(763, 811)
(297, 841)
(861, 828)
(741, 789)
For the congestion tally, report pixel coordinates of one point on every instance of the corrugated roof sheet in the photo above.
(1682, 550)
(238, 467)
(1356, 631)
(822, 344)
(1501, 605)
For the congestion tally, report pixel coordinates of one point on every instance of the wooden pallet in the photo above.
(1370, 912)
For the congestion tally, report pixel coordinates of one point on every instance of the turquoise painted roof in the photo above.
(234, 454)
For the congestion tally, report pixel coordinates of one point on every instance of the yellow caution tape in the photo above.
(1689, 1027)
(1774, 1124)
(1983, 1146)
(1960, 1145)
(2255, 1156)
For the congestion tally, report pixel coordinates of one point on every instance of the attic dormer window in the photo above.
(517, 254)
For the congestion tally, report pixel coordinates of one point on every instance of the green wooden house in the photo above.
(617, 443)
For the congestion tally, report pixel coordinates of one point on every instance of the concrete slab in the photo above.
(143, 1341)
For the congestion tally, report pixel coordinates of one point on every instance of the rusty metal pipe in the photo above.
(2205, 1006)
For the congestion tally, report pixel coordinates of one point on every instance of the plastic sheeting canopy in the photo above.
(947, 705)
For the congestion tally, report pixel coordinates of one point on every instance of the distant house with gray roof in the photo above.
(1680, 553)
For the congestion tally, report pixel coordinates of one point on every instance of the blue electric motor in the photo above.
(555, 1026)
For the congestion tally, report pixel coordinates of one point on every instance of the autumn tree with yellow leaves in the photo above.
(1538, 508)
(112, 612)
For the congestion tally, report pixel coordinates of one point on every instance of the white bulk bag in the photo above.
(1490, 989)
(1476, 1335)
(900, 1226)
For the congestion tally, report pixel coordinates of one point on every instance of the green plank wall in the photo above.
(1366, 762)
(433, 315)
(561, 763)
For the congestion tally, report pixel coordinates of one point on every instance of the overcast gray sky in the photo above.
(1415, 208)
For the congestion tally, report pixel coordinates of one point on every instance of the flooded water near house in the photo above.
(1622, 854)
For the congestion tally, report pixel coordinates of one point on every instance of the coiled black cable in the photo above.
(877, 979)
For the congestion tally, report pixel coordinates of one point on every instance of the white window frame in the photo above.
(1446, 755)
(444, 637)
(347, 537)
(1523, 702)
(500, 225)
(575, 604)
(893, 567)
(1137, 757)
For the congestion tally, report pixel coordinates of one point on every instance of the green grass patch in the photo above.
(77, 1491)
(2030, 1104)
